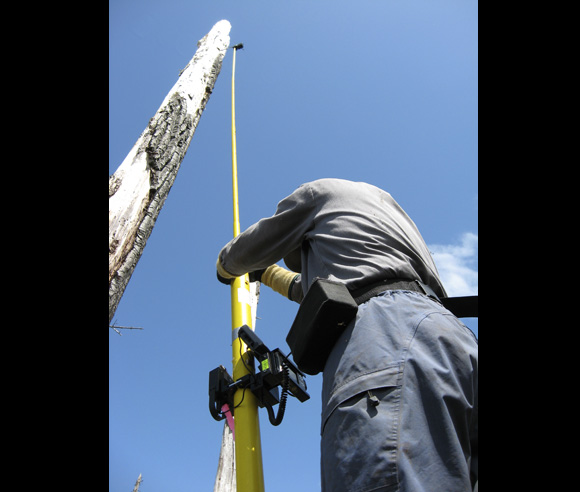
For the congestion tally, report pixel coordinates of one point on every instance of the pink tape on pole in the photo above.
(229, 419)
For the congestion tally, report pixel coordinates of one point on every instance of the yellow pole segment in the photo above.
(249, 471)
(234, 153)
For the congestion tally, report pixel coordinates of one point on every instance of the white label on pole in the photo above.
(244, 299)
(244, 296)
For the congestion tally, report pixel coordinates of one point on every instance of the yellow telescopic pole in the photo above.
(249, 471)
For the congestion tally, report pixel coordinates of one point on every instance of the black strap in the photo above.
(365, 293)
(462, 307)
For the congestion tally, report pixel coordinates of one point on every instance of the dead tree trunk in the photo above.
(137, 483)
(139, 187)
(225, 480)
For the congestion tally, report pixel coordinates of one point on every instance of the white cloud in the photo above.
(457, 265)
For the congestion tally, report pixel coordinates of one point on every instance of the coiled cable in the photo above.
(277, 420)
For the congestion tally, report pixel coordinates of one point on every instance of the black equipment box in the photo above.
(326, 310)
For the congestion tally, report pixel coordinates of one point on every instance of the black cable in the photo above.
(249, 372)
(277, 420)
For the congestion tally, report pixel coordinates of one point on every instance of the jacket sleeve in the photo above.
(270, 239)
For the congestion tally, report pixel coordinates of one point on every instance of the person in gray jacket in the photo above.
(400, 386)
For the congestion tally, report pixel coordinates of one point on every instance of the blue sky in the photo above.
(381, 91)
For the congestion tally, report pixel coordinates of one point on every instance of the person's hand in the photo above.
(279, 280)
(223, 280)
(222, 274)
(256, 276)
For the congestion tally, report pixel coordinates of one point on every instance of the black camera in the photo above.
(274, 370)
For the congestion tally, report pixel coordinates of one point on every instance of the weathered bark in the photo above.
(139, 187)
(137, 483)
